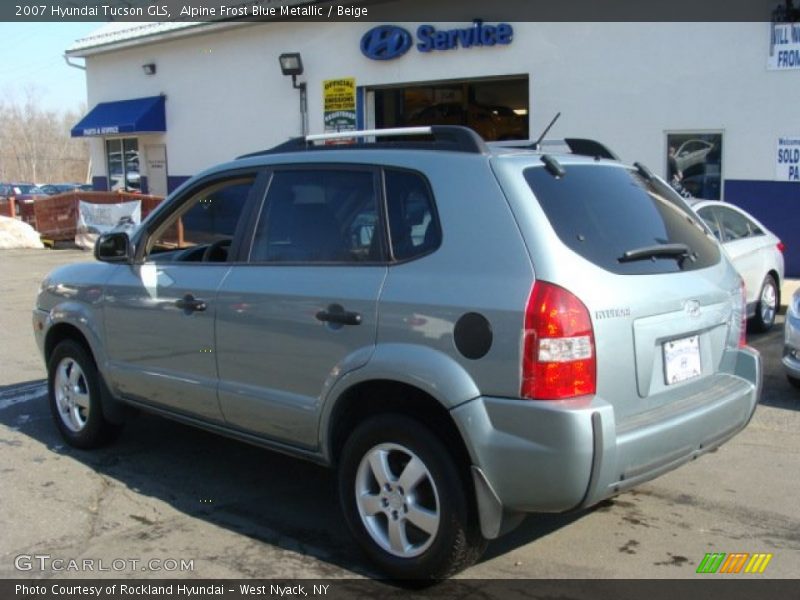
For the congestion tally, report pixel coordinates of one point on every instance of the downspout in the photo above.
(82, 68)
(75, 65)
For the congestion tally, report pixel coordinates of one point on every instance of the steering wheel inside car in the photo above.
(217, 251)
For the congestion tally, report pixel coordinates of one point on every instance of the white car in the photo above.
(755, 251)
(791, 340)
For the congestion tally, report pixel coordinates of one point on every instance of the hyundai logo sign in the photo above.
(385, 42)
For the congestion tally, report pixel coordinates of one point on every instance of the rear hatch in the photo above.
(664, 304)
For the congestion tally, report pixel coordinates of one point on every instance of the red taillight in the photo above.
(743, 324)
(781, 247)
(558, 358)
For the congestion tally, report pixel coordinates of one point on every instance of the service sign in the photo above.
(788, 165)
(387, 42)
(339, 100)
(784, 47)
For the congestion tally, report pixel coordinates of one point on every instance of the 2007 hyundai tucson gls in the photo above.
(467, 334)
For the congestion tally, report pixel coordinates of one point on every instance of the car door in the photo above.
(302, 311)
(160, 311)
(743, 248)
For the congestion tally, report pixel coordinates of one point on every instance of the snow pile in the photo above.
(16, 234)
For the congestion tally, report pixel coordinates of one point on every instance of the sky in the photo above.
(31, 55)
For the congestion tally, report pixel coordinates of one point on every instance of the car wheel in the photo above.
(794, 381)
(767, 306)
(74, 394)
(405, 502)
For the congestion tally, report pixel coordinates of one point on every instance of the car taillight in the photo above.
(743, 324)
(558, 358)
(781, 247)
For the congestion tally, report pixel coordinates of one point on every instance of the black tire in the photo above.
(80, 426)
(793, 381)
(456, 541)
(765, 315)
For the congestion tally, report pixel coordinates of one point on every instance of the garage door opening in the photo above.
(496, 108)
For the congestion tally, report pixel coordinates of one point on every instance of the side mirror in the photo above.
(113, 247)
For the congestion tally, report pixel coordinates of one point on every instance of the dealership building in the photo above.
(167, 100)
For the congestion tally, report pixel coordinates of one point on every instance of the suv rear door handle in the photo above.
(336, 314)
(190, 304)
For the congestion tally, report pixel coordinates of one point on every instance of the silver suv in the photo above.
(466, 333)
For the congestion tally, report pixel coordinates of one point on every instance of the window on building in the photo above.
(122, 159)
(319, 215)
(697, 158)
(496, 108)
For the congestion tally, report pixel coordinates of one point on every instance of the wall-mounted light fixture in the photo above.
(149, 69)
(292, 64)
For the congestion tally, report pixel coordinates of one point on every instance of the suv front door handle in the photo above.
(190, 304)
(337, 314)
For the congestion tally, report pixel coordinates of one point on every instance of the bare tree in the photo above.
(35, 144)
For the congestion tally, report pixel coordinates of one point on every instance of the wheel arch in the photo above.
(413, 380)
(778, 282)
(114, 411)
(374, 397)
(59, 332)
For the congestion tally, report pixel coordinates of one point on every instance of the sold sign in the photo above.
(788, 159)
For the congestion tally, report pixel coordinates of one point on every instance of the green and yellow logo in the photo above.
(737, 562)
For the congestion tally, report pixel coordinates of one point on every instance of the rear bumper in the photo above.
(557, 456)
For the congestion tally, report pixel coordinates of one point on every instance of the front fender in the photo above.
(83, 318)
(73, 294)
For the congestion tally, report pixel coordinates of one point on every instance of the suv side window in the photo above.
(202, 228)
(413, 225)
(327, 215)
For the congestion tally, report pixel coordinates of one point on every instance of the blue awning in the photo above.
(140, 115)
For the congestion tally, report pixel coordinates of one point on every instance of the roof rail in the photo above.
(453, 138)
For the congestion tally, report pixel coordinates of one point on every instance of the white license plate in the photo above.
(681, 359)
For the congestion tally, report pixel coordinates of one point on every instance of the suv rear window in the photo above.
(603, 211)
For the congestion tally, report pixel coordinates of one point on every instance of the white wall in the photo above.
(622, 83)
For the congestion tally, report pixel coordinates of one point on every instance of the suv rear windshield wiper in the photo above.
(679, 251)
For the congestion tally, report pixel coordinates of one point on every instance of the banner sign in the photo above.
(784, 47)
(339, 104)
(94, 219)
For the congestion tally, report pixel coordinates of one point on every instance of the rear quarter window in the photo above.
(413, 225)
(603, 211)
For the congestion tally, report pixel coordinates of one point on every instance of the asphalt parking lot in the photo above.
(169, 496)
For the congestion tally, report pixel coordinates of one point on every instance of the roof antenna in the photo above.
(535, 145)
